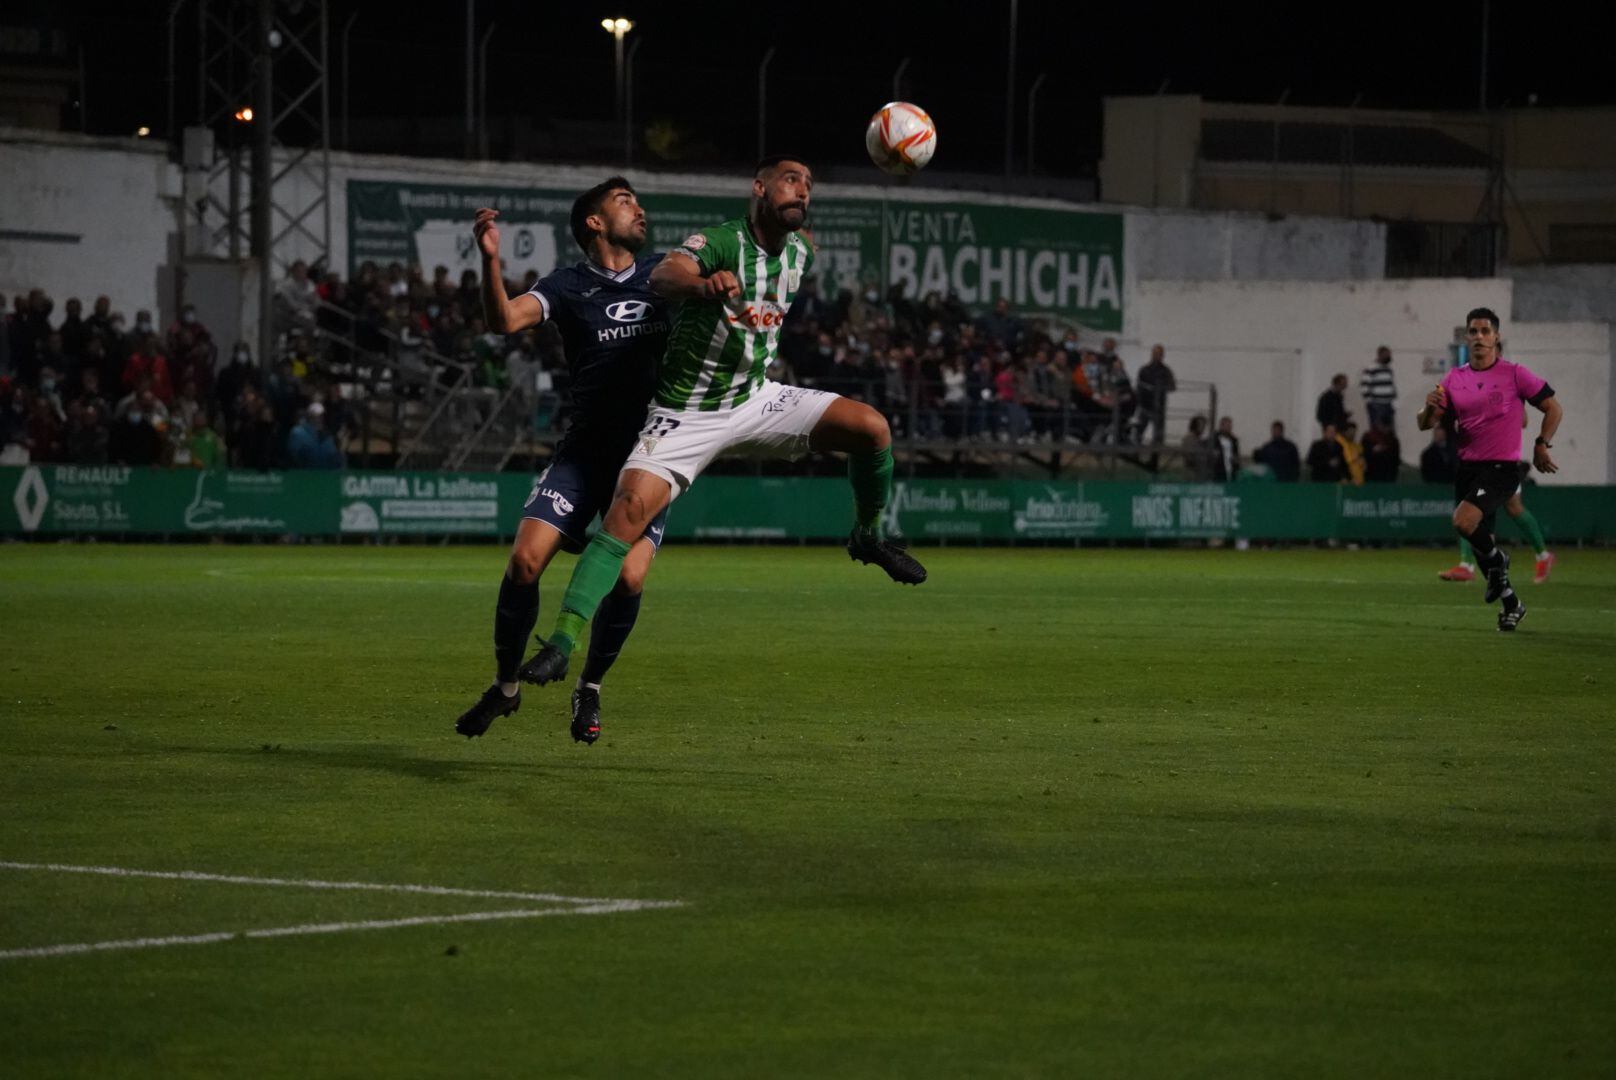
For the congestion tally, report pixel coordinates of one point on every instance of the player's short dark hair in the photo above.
(764, 164)
(1483, 313)
(590, 202)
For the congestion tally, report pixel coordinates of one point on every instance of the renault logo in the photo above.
(629, 310)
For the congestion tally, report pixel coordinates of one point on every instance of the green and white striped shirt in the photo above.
(719, 350)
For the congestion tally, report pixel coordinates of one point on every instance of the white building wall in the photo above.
(1577, 359)
(84, 217)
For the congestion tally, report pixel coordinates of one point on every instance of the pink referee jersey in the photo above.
(1489, 408)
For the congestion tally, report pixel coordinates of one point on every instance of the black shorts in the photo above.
(1488, 484)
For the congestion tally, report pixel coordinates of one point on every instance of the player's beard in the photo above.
(791, 216)
(630, 240)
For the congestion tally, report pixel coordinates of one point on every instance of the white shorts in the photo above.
(677, 444)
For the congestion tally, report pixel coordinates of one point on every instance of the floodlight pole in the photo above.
(763, 102)
(1010, 96)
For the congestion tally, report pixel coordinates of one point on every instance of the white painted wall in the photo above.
(1565, 293)
(1576, 358)
(1164, 245)
(108, 210)
(1272, 347)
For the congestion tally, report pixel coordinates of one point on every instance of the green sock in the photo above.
(1534, 531)
(1466, 556)
(871, 476)
(592, 579)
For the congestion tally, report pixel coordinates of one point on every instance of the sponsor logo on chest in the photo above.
(629, 311)
(758, 315)
(634, 319)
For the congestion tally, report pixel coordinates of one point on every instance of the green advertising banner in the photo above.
(1062, 262)
(121, 501)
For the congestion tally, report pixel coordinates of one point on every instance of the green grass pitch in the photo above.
(1054, 813)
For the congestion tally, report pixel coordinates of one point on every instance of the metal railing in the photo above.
(470, 426)
(405, 371)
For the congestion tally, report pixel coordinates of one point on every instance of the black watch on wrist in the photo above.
(1541, 441)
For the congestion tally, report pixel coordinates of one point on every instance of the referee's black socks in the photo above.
(1488, 557)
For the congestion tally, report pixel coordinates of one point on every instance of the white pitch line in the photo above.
(365, 886)
(602, 908)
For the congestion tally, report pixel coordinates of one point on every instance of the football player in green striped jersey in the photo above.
(736, 281)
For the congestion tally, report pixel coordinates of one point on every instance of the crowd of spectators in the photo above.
(939, 372)
(93, 389)
(1340, 455)
(932, 367)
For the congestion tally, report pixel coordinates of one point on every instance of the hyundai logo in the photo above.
(629, 310)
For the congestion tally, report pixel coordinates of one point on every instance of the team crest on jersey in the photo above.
(695, 242)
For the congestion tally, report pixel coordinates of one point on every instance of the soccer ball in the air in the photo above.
(901, 138)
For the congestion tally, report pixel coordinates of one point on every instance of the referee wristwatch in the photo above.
(1541, 441)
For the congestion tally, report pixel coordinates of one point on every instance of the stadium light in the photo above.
(617, 28)
(245, 115)
(143, 131)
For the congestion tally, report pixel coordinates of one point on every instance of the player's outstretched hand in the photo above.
(486, 232)
(1437, 400)
(721, 285)
(1542, 461)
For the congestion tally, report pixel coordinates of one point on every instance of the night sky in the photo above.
(551, 68)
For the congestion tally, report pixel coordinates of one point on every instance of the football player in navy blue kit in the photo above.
(614, 329)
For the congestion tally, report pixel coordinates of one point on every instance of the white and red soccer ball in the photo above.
(901, 138)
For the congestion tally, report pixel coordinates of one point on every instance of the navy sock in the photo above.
(514, 616)
(613, 622)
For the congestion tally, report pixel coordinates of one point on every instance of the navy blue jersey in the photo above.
(614, 330)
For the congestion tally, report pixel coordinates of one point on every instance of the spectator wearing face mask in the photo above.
(191, 351)
(137, 436)
(50, 392)
(866, 311)
(118, 347)
(236, 376)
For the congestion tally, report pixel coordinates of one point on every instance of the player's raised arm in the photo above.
(680, 278)
(503, 314)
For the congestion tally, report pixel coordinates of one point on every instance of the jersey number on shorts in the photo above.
(655, 430)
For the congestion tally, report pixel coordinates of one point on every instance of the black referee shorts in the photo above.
(1488, 484)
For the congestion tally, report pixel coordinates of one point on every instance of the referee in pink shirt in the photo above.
(1487, 398)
